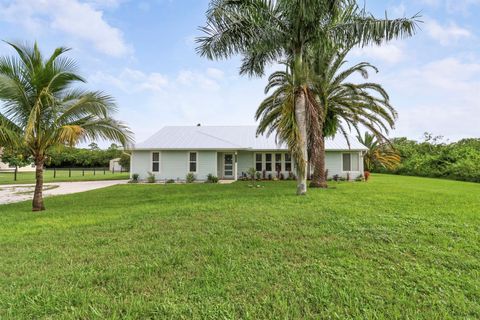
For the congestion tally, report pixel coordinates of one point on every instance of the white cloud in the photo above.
(132, 81)
(439, 97)
(82, 21)
(462, 6)
(446, 34)
(390, 52)
(207, 96)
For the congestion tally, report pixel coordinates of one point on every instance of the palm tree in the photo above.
(380, 153)
(276, 114)
(345, 105)
(41, 107)
(266, 32)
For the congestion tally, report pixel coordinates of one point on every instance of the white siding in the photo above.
(173, 164)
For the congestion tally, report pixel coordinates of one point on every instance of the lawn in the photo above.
(62, 175)
(395, 247)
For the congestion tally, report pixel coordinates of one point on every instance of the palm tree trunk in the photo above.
(319, 179)
(37, 203)
(301, 118)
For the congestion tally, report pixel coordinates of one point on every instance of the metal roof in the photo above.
(227, 138)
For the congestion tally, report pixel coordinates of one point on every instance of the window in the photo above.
(288, 162)
(351, 162)
(258, 161)
(355, 162)
(347, 163)
(278, 162)
(268, 162)
(192, 160)
(155, 161)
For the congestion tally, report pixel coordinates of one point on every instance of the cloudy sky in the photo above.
(143, 53)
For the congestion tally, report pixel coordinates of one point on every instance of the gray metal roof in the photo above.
(227, 138)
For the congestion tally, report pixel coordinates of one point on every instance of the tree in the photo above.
(93, 146)
(379, 154)
(345, 105)
(266, 32)
(40, 103)
(16, 157)
(124, 161)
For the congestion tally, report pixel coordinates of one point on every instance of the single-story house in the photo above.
(229, 151)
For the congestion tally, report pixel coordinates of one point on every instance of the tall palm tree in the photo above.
(267, 31)
(276, 114)
(380, 153)
(41, 106)
(345, 105)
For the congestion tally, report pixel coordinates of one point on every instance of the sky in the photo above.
(143, 54)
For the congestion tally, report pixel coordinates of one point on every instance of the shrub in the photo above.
(348, 176)
(190, 177)
(366, 175)
(251, 173)
(264, 175)
(170, 181)
(258, 175)
(282, 176)
(135, 177)
(151, 177)
(211, 178)
(359, 178)
(336, 177)
(270, 176)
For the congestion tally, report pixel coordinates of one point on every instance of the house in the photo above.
(229, 151)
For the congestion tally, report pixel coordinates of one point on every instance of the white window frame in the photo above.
(285, 162)
(351, 161)
(190, 162)
(262, 161)
(159, 161)
(282, 162)
(272, 161)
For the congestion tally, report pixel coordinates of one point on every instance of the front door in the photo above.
(228, 165)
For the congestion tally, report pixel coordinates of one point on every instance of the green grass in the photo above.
(395, 247)
(62, 176)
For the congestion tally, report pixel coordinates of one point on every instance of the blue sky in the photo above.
(143, 53)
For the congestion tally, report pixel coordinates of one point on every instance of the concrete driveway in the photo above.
(21, 192)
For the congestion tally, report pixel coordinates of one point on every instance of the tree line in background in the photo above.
(436, 158)
(66, 157)
(70, 157)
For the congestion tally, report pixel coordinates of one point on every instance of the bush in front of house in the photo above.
(135, 177)
(190, 177)
(211, 178)
(150, 177)
(252, 174)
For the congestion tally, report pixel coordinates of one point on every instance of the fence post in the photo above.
(93, 171)
(113, 169)
(104, 170)
(15, 175)
(69, 172)
(54, 173)
(83, 172)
